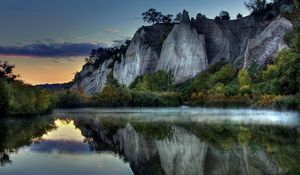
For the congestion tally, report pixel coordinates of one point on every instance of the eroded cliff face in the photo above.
(142, 54)
(183, 52)
(189, 47)
(92, 80)
(262, 48)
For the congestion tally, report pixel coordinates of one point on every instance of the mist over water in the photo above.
(152, 141)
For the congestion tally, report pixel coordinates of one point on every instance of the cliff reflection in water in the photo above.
(169, 141)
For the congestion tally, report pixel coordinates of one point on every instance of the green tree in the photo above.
(244, 78)
(224, 75)
(158, 81)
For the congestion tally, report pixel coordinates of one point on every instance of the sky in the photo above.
(48, 40)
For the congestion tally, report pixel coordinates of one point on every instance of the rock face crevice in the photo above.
(183, 52)
(190, 47)
(261, 49)
(142, 54)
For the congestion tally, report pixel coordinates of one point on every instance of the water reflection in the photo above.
(58, 147)
(66, 138)
(153, 141)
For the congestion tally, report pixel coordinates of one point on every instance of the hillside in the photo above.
(190, 47)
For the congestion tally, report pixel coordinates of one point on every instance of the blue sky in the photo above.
(48, 40)
(97, 21)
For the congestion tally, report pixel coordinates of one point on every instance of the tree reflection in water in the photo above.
(167, 146)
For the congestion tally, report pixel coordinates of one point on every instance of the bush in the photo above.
(231, 90)
(287, 102)
(266, 101)
(246, 90)
(224, 75)
(149, 99)
(160, 81)
(18, 99)
(71, 99)
(244, 78)
(112, 96)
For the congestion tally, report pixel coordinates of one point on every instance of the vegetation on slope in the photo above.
(17, 98)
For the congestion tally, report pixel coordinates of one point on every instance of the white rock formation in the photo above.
(183, 52)
(263, 48)
(140, 58)
(93, 80)
(189, 47)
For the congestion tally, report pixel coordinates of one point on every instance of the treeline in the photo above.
(149, 90)
(276, 86)
(19, 99)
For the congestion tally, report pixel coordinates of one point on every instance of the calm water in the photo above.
(152, 141)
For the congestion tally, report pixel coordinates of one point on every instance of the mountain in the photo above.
(54, 87)
(188, 48)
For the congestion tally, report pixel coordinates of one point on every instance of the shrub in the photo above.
(149, 99)
(71, 99)
(266, 100)
(224, 75)
(219, 88)
(25, 100)
(112, 96)
(246, 90)
(231, 90)
(244, 78)
(287, 102)
(159, 81)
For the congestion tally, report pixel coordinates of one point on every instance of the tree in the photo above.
(6, 70)
(239, 16)
(283, 77)
(244, 78)
(224, 75)
(217, 18)
(256, 5)
(166, 18)
(178, 17)
(151, 16)
(92, 58)
(224, 15)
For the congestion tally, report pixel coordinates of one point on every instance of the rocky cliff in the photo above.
(187, 48)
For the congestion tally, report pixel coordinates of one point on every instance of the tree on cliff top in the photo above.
(256, 5)
(151, 16)
(166, 18)
(224, 15)
(178, 17)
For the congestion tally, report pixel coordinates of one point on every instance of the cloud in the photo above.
(120, 41)
(52, 49)
(112, 30)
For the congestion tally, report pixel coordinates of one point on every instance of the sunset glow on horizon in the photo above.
(36, 70)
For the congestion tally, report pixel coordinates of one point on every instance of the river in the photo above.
(181, 141)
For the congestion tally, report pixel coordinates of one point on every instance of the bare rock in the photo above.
(263, 48)
(183, 52)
